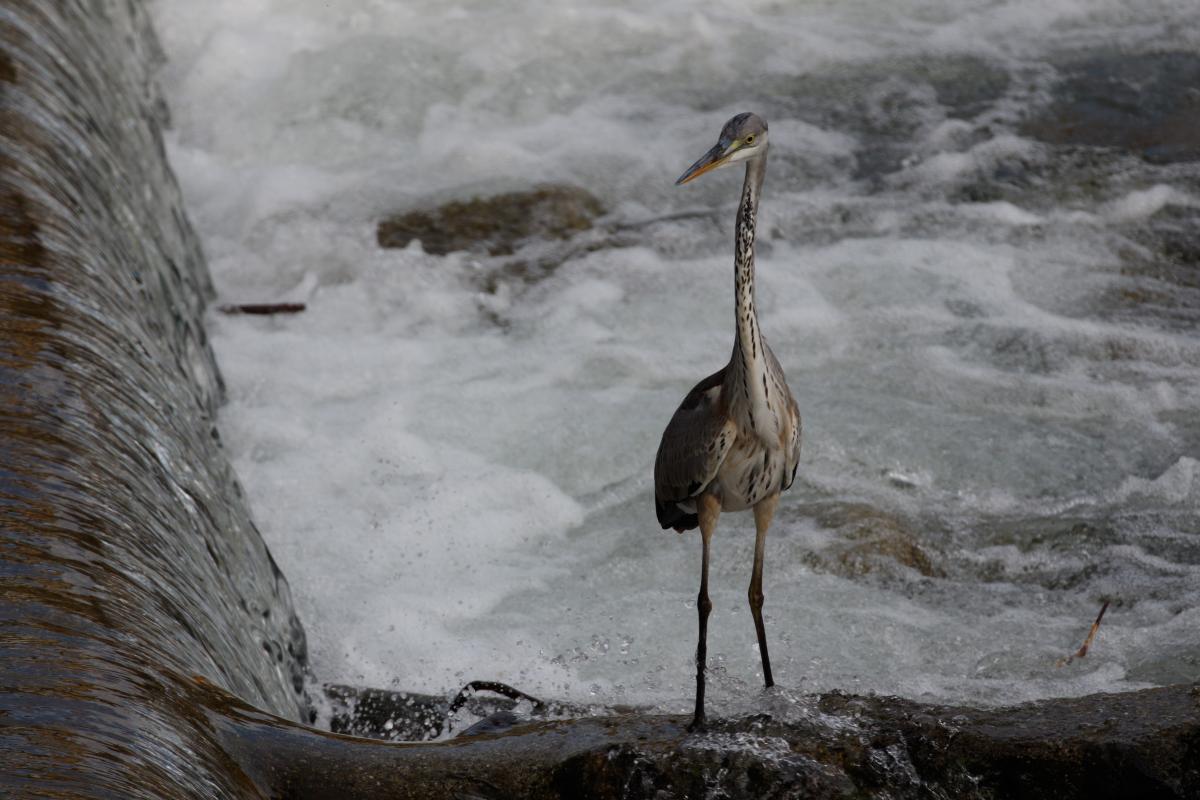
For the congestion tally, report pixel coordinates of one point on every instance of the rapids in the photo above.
(977, 274)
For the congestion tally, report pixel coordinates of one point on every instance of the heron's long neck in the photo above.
(749, 344)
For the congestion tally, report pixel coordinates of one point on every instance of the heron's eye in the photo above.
(749, 139)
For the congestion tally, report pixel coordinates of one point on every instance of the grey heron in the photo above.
(734, 441)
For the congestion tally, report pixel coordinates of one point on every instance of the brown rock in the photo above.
(494, 225)
(867, 539)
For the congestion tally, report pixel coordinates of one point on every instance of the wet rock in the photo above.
(1160, 274)
(885, 105)
(869, 540)
(890, 114)
(386, 715)
(1137, 744)
(394, 716)
(1177, 229)
(537, 261)
(1146, 103)
(523, 236)
(494, 225)
(1051, 178)
(1051, 546)
(1080, 557)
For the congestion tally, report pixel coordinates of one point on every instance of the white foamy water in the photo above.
(458, 483)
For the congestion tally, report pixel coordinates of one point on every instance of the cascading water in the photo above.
(129, 564)
(977, 266)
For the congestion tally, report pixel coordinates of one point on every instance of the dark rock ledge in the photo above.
(1142, 744)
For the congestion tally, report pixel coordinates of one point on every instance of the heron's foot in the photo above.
(697, 725)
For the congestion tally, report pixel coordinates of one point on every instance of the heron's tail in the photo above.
(670, 515)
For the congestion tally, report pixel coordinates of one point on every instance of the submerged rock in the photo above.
(1146, 103)
(525, 235)
(494, 225)
(885, 105)
(1160, 276)
(868, 539)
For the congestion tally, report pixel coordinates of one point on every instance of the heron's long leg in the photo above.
(708, 510)
(764, 512)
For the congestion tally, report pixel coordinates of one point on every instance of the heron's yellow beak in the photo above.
(718, 156)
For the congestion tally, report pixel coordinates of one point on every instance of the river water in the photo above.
(977, 265)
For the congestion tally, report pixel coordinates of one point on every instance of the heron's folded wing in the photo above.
(694, 444)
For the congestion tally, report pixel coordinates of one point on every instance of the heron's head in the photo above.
(743, 137)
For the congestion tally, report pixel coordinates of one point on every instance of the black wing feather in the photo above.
(689, 453)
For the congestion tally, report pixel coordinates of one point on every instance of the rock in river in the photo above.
(494, 225)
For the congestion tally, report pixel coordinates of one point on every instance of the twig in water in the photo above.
(262, 308)
(1083, 651)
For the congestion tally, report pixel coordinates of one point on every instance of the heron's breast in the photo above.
(751, 471)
